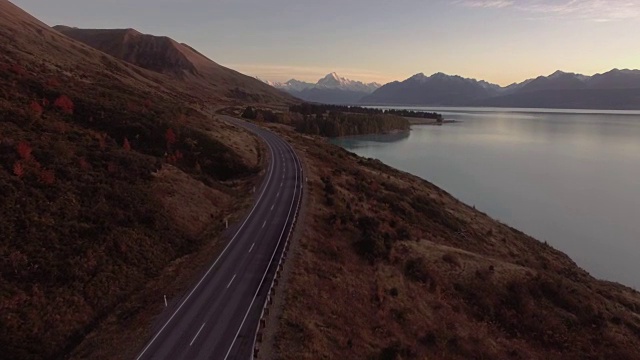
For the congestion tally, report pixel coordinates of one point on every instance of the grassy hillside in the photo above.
(389, 266)
(191, 71)
(97, 161)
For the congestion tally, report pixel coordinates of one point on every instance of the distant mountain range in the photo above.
(332, 89)
(616, 89)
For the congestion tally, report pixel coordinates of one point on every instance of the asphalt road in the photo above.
(218, 317)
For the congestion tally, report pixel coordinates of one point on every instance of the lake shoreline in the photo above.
(563, 178)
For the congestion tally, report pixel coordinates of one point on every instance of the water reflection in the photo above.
(570, 179)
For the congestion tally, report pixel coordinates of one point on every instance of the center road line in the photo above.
(198, 333)
(252, 245)
(264, 223)
(272, 206)
(184, 301)
(233, 278)
(295, 189)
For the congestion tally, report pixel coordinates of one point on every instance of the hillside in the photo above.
(198, 75)
(389, 266)
(97, 161)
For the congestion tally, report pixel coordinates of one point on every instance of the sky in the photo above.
(500, 41)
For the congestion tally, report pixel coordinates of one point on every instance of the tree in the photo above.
(47, 177)
(18, 169)
(126, 146)
(249, 113)
(36, 109)
(65, 104)
(170, 136)
(24, 150)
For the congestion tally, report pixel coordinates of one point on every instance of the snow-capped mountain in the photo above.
(334, 81)
(331, 89)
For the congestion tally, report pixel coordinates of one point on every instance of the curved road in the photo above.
(218, 318)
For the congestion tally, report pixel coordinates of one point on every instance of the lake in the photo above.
(568, 177)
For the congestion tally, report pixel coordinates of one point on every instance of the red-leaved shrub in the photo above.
(126, 146)
(18, 169)
(47, 177)
(36, 109)
(170, 136)
(65, 104)
(24, 150)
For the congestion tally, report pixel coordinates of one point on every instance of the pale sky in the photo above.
(501, 41)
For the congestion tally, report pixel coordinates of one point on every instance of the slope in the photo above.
(98, 159)
(391, 267)
(197, 74)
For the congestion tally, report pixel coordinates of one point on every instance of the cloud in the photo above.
(486, 3)
(593, 10)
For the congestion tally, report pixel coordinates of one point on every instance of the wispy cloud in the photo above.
(593, 10)
(486, 3)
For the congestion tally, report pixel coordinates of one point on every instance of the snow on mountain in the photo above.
(331, 81)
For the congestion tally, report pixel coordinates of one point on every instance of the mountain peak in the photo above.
(557, 73)
(333, 80)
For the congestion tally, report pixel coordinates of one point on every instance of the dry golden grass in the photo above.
(91, 240)
(192, 205)
(432, 278)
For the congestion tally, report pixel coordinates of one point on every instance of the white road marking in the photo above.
(272, 206)
(233, 278)
(264, 223)
(252, 245)
(278, 194)
(264, 188)
(295, 189)
(198, 333)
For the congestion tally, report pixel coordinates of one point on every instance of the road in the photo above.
(218, 317)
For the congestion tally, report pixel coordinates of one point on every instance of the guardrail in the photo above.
(258, 338)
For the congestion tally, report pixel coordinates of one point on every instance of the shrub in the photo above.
(64, 104)
(416, 269)
(24, 150)
(126, 146)
(170, 137)
(18, 169)
(452, 259)
(35, 109)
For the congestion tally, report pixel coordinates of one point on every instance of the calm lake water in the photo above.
(571, 178)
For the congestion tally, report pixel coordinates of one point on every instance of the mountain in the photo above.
(201, 76)
(616, 79)
(616, 89)
(557, 81)
(437, 89)
(331, 89)
(98, 159)
(333, 81)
